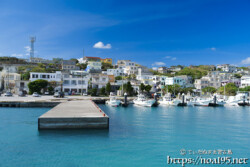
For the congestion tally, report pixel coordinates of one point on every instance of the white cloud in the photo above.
(100, 45)
(213, 49)
(154, 68)
(159, 64)
(246, 61)
(16, 55)
(27, 50)
(169, 57)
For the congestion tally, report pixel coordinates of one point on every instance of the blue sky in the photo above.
(152, 33)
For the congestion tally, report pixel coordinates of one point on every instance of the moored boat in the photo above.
(142, 101)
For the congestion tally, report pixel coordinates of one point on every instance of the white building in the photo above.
(213, 79)
(128, 66)
(99, 80)
(183, 81)
(227, 68)
(76, 82)
(57, 76)
(7, 80)
(245, 81)
(94, 66)
(199, 84)
(115, 72)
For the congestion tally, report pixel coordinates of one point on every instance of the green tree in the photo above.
(246, 89)
(186, 90)
(128, 88)
(106, 66)
(148, 88)
(108, 88)
(142, 87)
(37, 86)
(209, 89)
(25, 76)
(82, 66)
(237, 75)
(103, 91)
(51, 90)
(230, 89)
(118, 78)
(93, 92)
(75, 60)
(174, 89)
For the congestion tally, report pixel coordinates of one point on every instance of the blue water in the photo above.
(138, 136)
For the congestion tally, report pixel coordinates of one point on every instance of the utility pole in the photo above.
(82, 83)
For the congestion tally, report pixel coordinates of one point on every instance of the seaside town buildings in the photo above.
(69, 78)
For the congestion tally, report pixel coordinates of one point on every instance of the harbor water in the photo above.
(138, 136)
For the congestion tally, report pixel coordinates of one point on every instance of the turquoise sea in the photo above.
(138, 136)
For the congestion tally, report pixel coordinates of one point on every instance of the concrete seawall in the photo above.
(74, 114)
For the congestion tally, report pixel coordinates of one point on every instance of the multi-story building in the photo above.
(216, 77)
(115, 72)
(183, 80)
(57, 76)
(94, 64)
(107, 60)
(227, 68)
(68, 65)
(7, 80)
(245, 81)
(236, 81)
(128, 66)
(199, 84)
(99, 80)
(75, 82)
(162, 70)
(213, 79)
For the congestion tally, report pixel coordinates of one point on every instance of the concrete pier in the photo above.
(74, 114)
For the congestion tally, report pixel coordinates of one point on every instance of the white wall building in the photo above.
(57, 76)
(7, 80)
(245, 81)
(94, 66)
(99, 80)
(227, 67)
(128, 66)
(183, 81)
(115, 72)
(76, 82)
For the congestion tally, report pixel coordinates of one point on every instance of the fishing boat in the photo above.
(113, 101)
(202, 101)
(239, 99)
(142, 101)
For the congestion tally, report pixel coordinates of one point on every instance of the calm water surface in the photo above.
(138, 136)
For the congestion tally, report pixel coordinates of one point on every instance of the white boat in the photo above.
(167, 100)
(113, 101)
(142, 101)
(190, 101)
(241, 97)
(202, 102)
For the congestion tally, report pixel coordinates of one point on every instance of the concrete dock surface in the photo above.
(74, 114)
